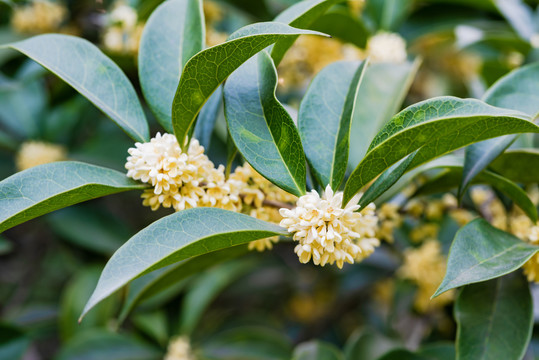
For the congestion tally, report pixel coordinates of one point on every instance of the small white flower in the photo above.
(125, 15)
(328, 233)
(386, 48)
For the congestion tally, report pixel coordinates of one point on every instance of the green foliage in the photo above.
(481, 252)
(95, 76)
(316, 350)
(42, 189)
(494, 319)
(262, 130)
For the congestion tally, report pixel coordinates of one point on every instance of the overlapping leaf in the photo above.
(205, 71)
(45, 188)
(83, 66)
(435, 127)
(521, 166)
(325, 117)
(177, 237)
(173, 34)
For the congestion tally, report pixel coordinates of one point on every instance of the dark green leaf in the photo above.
(435, 127)
(45, 188)
(176, 237)
(160, 280)
(438, 351)
(173, 34)
(341, 24)
(83, 66)
(208, 117)
(262, 130)
(300, 15)
(316, 350)
(403, 355)
(481, 252)
(100, 345)
(325, 117)
(521, 166)
(388, 14)
(494, 319)
(518, 90)
(154, 324)
(13, 342)
(5, 246)
(205, 71)
(380, 96)
(369, 345)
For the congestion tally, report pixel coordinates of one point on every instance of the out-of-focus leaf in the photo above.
(100, 345)
(13, 342)
(176, 237)
(208, 117)
(173, 34)
(316, 350)
(5, 246)
(403, 355)
(248, 343)
(154, 324)
(160, 280)
(438, 351)
(494, 319)
(325, 117)
(261, 128)
(300, 15)
(380, 96)
(45, 188)
(83, 66)
(60, 122)
(481, 252)
(519, 15)
(369, 345)
(72, 302)
(435, 127)
(388, 14)
(205, 71)
(342, 25)
(521, 166)
(518, 90)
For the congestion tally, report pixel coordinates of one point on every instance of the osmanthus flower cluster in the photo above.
(123, 31)
(34, 153)
(179, 349)
(38, 17)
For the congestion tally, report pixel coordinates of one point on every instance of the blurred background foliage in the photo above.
(243, 305)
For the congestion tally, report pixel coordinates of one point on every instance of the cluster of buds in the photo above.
(34, 153)
(38, 17)
(123, 32)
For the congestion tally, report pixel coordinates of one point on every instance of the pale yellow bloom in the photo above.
(386, 48)
(179, 349)
(427, 231)
(389, 219)
(356, 6)
(214, 37)
(34, 153)
(123, 15)
(39, 17)
(123, 33)
(461, 216)
(415, 207)
(522, 227)
(435, 209)
(328, 233)
(212, 12)
(426, 267)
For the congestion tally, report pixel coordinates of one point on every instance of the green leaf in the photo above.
(325, 117)
(5, 246)
(173, 34)
(261, 128)
(45, 188)
(481, 252)
(380, 96)
(316, 350)
(208, 118)
(494, 319)
(438, 351)
(386, 180)
(518, 90)
(341, 24)
(519, 15)
(83, 66)
(521, 166)
(158, 281)
(436, 127)
(13, 342)
(176, 237)
(205, 289)
(154, 324)
(300, 15)
(100, 344)
(402, 354)
(388, 14)
(369, 345)
(205, 71)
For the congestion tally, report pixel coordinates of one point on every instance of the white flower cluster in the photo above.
(180, 180)
(179, 349)
(39, 16)
(329, 233)
(123, 32)
(34, 153)
(386, 48)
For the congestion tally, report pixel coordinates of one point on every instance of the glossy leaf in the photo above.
(100, 344)
(380, 96)
(204, 290)
(481, 252)
(518, 165)
(494, 319)
(325, 117)
(145, 287)
(45, 188)
(176, 237)
(343, 25)
(262, 130)
(438, 351)
(369, 345)
(316, 350)
(300, 15)
(208, 118)
(205, 71)
(435, 127)
(83, 66)
(518, 90)
(173, 34)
